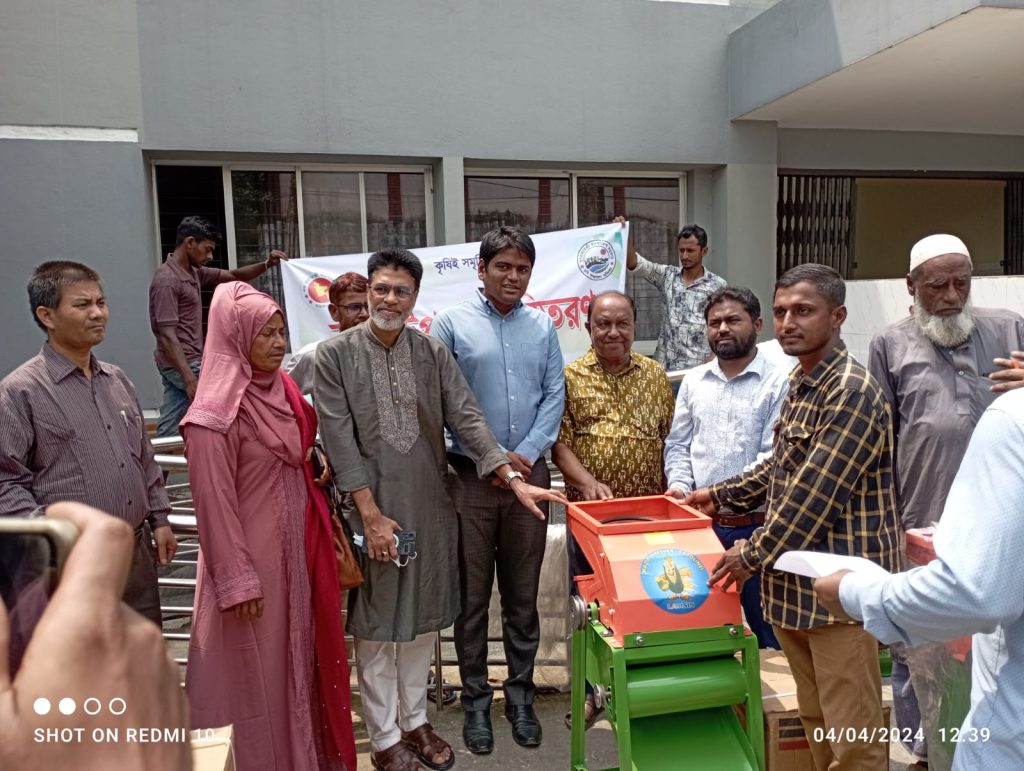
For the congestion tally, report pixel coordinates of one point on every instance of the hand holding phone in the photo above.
(89, 649)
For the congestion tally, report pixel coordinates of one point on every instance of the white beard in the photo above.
(946, 331)
(384, 323)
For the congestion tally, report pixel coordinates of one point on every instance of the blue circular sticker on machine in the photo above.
(675, 580)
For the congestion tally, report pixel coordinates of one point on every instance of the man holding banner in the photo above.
(510, 356)
(683, 340)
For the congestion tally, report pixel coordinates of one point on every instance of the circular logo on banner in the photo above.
(596, 260)
(318, 290)
(675, 580)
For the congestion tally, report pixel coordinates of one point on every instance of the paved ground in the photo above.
(553, 752)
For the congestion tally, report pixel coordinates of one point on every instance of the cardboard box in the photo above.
(211, 749)
(786, 744)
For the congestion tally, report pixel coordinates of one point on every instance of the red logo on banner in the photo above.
(317, 291)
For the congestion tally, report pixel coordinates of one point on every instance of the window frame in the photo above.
(230, 242)
(573, 175)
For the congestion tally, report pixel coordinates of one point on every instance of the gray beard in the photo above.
(382, 322)
(945, 331)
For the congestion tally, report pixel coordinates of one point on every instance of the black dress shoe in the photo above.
(477, 732)
(525, 726)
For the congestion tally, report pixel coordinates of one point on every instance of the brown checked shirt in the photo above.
(64, 437)
(828, 485)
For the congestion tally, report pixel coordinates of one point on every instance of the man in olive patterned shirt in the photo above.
(618, 411)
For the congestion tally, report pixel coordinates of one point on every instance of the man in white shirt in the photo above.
(723, 425)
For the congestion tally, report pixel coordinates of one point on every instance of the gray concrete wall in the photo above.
(83, 201)
(896, 150)
(574, 80)
(70, 63)
(800, 41)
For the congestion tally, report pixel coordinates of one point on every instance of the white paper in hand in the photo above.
(814, 564)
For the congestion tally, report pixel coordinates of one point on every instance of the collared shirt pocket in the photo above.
(131, 424)
(796, 441)
(57, 448)
(533, 361)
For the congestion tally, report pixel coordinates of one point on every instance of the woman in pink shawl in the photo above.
(267, 653)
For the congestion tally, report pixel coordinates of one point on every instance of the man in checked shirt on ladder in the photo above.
(828, 487)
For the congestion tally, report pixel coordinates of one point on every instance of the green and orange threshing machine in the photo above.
(666, 655)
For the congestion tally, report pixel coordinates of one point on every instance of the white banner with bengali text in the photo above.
(572, 266)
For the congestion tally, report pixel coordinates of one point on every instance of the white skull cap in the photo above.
(936, 246)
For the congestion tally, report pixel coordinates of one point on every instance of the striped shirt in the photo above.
(828, 485)
(723, 427)
(66, 437)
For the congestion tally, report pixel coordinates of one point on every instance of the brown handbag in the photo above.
(349, 574)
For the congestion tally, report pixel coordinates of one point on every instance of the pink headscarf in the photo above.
(285, 424)
(229, 386)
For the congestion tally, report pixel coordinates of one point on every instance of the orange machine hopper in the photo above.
(651, 559)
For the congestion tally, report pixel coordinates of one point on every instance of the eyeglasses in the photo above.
(383, 290)
(353, 307)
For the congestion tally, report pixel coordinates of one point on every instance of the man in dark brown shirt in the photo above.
(176, 312)
(72, 429)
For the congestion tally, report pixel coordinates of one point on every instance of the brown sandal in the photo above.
(395, 758)
(427, 745)
(590, 714)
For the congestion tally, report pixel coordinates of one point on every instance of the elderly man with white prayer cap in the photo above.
(939, 368)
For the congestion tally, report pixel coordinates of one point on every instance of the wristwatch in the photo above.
(507, 479)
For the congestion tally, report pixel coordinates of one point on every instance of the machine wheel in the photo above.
(578, 613)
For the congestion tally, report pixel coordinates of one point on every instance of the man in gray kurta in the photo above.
(384, 393)
(934, 369)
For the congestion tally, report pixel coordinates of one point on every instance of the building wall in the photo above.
(893, 214)
(627, 81)
(899, 151)
(70, 63)
(83, 201)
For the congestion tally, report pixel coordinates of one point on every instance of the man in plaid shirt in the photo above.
(827, 487)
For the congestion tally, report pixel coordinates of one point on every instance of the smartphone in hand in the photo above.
(32, 556)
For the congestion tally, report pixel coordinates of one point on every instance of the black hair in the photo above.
(595, 298)
(827, 282)
(740, 294)
(506, 237)
(394, 257)
(693, 231)
(48, 281)
(198, 228)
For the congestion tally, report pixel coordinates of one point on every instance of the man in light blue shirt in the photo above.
(724, 424)
(510, 357)
(975, 585)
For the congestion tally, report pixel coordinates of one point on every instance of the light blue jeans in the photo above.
(175, 399)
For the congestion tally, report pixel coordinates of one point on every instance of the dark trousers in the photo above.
(141, 593)
(750, 594)
(497, 535)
